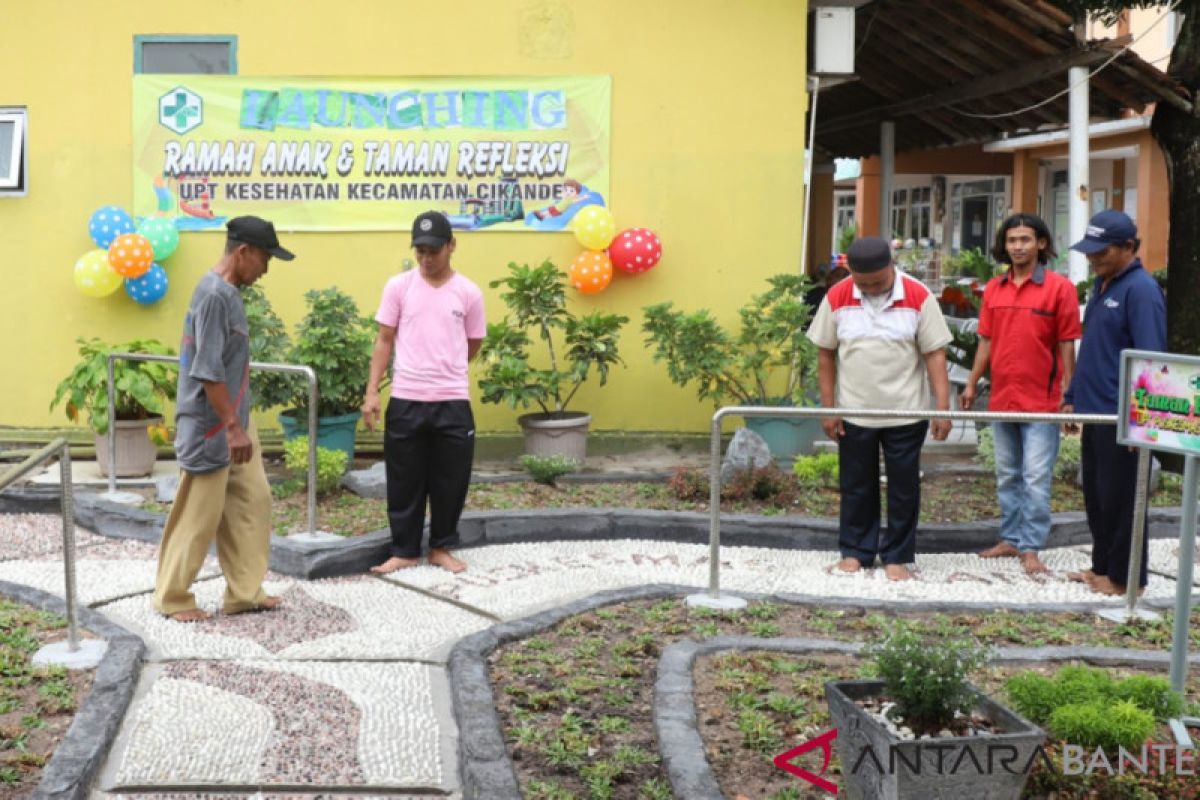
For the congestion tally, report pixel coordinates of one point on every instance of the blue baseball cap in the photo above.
(1107, 227)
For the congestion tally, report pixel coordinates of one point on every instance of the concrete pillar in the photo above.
(820, 232)
(1077, 171)
(1153, 205)
(887, 175)
(1025, 187)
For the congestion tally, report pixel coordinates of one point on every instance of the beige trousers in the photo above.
(234, 505)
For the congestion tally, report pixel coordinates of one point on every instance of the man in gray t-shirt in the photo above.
(223, 491)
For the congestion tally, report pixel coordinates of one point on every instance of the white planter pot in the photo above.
(565, 436)
(135, 452)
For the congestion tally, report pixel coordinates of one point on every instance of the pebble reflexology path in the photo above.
(346, 688)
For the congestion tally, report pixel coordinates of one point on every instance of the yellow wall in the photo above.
(707, 142)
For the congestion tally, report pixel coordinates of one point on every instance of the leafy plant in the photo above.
(1039, 697)
(1098, 723)
(770, 361)
(548, 469)
(140, 387)
(330, 463)
(816, 470)
(926, 679)
(269, 343)
(536, 300)
(846, 238)
(971, 263)
(336, 342)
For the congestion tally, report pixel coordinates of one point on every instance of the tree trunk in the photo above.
(1178, 134)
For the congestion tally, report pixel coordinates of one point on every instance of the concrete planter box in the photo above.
(985, 767)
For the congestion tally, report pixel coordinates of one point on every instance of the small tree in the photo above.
(536, 301)
(336, 342)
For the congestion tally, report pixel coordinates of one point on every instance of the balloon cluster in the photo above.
(631, 251)
(128, 255)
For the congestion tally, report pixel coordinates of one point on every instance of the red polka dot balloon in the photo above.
(131, 255)
(591, 272)
(635, 250)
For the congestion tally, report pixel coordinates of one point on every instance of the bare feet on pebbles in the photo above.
(393, 564)
(897, 572)
(1032, 564)
(439, 557)
(191, 615)
(1000, 550)
(849, 564)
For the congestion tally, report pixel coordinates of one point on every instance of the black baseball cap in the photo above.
(431, 229)
(1107, 227)
(258, 232)
(869, 254)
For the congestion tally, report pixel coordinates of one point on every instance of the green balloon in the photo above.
(162, 235)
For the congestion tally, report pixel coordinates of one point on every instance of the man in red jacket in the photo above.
(1028, 325)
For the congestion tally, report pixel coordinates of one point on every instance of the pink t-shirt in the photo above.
(432, 329)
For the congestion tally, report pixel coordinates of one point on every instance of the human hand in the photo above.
(241, 449)
(833, 427)
(966, 397)
(941, 429)
(1068, 427)
(370, 410)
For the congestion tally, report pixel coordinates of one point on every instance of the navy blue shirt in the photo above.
(1130, 314)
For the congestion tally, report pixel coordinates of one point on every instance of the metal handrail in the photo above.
(60, 448)
(714, 470)
(307, 372)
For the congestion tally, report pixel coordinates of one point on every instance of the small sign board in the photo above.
(1160, 402)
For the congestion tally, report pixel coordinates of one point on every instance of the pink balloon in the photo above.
(635, 250)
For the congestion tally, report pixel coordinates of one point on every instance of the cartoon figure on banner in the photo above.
(195, 197)
(559, 215)
(505, 205)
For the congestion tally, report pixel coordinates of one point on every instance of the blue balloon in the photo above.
(149, 287)
(108, 223)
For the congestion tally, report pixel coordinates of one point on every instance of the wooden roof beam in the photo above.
(1011, 80)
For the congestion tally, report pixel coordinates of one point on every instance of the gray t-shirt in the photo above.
(215, 348)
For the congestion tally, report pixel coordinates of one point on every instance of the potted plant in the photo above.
(269, 344)
(141, 388)
(536, 301)
(768, 362)
(336, 342)
(922, 730)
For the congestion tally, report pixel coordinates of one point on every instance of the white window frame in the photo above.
(15, 183)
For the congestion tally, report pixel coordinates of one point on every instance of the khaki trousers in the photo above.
(232, 504)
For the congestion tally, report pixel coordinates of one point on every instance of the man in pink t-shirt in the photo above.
(431, 324)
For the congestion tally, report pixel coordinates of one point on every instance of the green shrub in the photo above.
(269, 343)
(1032, 695)
(1150, 694)
(689, 484)
(1076, 684)
(330, 463)
(548, 469)
(1098, 723)
(816, 470)
(926, 679)
(769, 484)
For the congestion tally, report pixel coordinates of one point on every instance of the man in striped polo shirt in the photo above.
(879, 335)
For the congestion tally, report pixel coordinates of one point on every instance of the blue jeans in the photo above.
(1025, 456)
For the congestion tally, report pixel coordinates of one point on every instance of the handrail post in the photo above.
(68, 518)
(111, 433)
(311, 375)
(713, 598)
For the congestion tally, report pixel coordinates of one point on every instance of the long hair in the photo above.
(1040, 231)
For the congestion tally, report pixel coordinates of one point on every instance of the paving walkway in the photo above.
(345, 689)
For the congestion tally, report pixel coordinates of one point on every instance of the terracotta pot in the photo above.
(547, 435)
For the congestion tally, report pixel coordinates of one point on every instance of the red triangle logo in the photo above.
(825, 743)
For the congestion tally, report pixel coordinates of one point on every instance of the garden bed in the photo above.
(37, 704)
(574, 700)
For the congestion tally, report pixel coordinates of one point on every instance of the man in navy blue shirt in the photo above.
(1126, 310)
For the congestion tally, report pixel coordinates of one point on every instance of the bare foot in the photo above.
(394, 563)
(439, 557)
(1087, 576)
(191, 615)
(1104, 585)
(849, 564)
(1000, 550)
(1032, 564)
(897, 572)
(268, 603)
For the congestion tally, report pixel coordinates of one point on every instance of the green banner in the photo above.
(325, 154)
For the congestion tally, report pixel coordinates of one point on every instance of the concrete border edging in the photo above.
(681, 746)
(77, 759)
(486, 772)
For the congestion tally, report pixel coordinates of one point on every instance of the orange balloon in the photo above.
(591, 272)
(131, 255)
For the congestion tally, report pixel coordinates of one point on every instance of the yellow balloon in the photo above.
(594, 227)
(94, 276)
